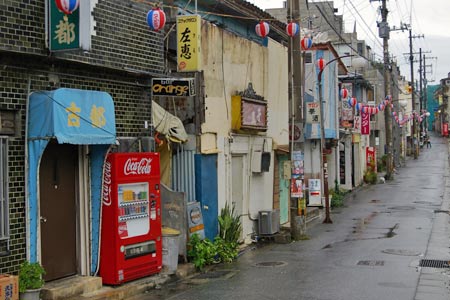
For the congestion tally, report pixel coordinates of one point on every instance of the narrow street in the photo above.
(371, 251)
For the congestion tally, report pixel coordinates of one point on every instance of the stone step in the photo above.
(70, 287)
(312, 213)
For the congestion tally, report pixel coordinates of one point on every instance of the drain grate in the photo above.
(434, 263)
(372, 263)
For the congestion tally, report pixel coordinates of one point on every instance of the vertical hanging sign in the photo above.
(63, 29)
(365, 123)
(188, 43)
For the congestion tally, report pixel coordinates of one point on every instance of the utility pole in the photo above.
(297, 214)
(420, 90)
(396, 130)
(384, 34)
(425, 83)
(414, 106)
(425, 96)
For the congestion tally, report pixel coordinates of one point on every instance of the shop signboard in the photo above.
(365, 123)
(188, 43)
(315, 194)
(173, 87)
(371, 161)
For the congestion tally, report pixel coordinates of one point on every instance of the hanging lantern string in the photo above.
(369, 109)
(154, 4)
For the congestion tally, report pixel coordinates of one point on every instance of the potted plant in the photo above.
(30, 280)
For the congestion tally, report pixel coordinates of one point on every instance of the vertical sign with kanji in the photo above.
(365, 123)
(64, 30)
(313, 118)
(188, 43)
(357, 124)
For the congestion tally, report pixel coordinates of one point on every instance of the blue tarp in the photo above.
(73, 117)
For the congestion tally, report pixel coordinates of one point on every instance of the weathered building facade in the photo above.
(118, 59)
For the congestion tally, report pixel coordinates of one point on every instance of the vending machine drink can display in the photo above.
(131, 217)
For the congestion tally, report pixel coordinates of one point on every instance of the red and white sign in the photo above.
(137, 167)
(106, 188)
(371, 161)
(123, 229)
(445, 129)
(365, 123)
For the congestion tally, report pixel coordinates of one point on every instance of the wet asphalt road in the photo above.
(371, 251)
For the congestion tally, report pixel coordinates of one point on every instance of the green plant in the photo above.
(337, 199)
(225, 245)
(204, 252)
(381, 163)
(229, 224)
(370, 177)
(30, 276)
(226, 251)
(201, 252)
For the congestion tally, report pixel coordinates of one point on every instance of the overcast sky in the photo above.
(430, 18)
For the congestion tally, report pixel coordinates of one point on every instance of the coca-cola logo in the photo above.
(137, 167)
(106, 188)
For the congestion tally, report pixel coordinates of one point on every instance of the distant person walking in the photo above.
(428, 141)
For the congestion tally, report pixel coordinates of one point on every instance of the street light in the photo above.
(323, 158)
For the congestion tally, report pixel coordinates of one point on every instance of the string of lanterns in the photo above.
(156, 19)
(367, 109)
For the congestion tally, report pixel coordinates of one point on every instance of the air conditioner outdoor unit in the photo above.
(269, 222)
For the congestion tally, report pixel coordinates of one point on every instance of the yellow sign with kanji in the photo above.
(188, 43)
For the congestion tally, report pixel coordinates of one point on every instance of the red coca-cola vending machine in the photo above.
(131, 217)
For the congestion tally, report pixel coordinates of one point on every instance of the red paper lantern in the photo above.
(321, 64)
(262, 29)
(306, 43)
(344, 93)
(292, 29)
(156, 19)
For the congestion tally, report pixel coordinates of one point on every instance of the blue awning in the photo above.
(72, 116)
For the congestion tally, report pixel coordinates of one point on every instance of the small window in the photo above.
(360, 48)
(4, 201)
(308, 57)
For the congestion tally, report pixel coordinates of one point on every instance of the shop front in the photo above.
(68, 132)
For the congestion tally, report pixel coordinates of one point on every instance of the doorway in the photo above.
(58, 210)
(237, 190)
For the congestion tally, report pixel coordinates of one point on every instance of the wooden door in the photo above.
(58, 194)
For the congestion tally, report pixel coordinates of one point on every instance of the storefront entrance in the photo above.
(58, 209)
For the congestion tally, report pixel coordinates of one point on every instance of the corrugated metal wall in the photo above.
(183, 173)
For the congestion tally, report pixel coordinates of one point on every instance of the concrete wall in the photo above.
(233, 63)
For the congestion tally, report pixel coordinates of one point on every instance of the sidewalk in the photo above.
(434, 282)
